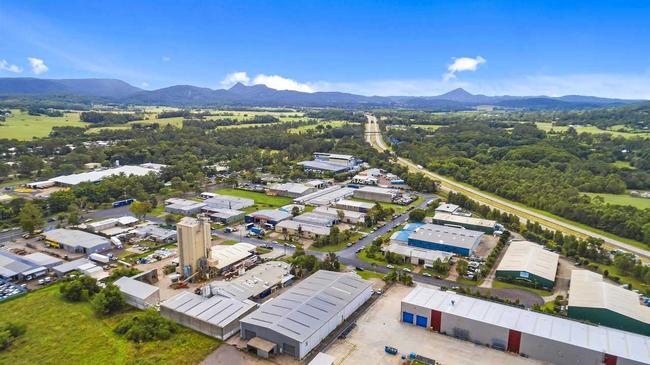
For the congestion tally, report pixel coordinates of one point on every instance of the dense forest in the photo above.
(548, 172)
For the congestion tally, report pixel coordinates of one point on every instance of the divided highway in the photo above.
(374, 138)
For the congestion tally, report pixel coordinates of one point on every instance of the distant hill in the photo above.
(118, 91)
(107, 88)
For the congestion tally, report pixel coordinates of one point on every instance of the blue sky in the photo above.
(366, 47)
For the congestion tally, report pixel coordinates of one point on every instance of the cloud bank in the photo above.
(273, 81)
(38, 65)
(6, 66)
(463, 64)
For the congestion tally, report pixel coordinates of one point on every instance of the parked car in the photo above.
(406, 269)
(390, 266)
(426, 274)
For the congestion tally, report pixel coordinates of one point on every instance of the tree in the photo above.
(295, 211)
(146, 326)
(341, 215)
(170, 219)
(417, 215)
(81, 288)
(331, 262)
(59, 201)
(73, 216)
(31, 217)
(140, 208)
(461, 267)
(109, 300)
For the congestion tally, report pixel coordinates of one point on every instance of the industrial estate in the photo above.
(278, 220)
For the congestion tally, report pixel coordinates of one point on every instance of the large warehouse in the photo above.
(477, 224)
(531, 334)
(594, 300)
(227, 201)
(270, 216)
(442, 238)
(217, 317)
(291, 190)
(137, 293)
(299, 319)
(374, 193)
(528, 261)
(76, 241)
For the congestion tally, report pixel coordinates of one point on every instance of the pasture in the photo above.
(547, 127)
(623, 199)
(24, 127)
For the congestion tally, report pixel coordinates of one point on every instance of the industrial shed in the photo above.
(229, 202)
(349, 216)
(476, 224)
(300, 318)
(183, 206)
(530, 262)
(98, 175)
(442, 238)
(14, 267)
(138, 294)
(317, 219)
(531, 334)
(70, 266)
(270, 216)
(325, 196)
(224, 215)
(594, 300)
(255, 283)
(217, 317)
(295, 228)
(223, 257)
(291, 190)
(375, 193)
(42, 259)
(75, 241)
(354, 205)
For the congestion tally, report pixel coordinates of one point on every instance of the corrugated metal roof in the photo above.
(74, 238)
(464, 220)
(135, 288)
(225, 255)
(597, 338)
(253, 282)
(355, 203)
(94, 176)
(530, 257)
(588, 290)
(315, 218)
(420, 253)
(305, 227)
(219, 311)
(230, 202)
(451, 236)
(271, 214)
(299, 312)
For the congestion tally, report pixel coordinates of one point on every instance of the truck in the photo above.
(99, 258)
(121, 203)
(390, 350)
(257, 231)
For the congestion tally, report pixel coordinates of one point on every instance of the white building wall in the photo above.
(331, 325)
(557, 352)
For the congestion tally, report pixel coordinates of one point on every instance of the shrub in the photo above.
(9, 332)
(109, 300)
(148, 326)
(79, 289)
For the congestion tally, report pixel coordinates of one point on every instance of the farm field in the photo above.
(61, 332)
(547, 126)
(623, 199)
(22, 126)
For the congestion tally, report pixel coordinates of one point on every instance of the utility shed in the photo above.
(531, 334)
(291, 190)
(477, 224)
(138, 294)
(42, 259)
(300, 318)
(594, 300)
(270, 216)
(217, 317)
(69, 267)
(443, 238)
(528, 261)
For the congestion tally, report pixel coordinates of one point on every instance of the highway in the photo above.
(374, 138)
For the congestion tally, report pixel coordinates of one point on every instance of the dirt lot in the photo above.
(380, 326)
(488, 242)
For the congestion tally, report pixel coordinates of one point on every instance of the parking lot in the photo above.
(380, 326)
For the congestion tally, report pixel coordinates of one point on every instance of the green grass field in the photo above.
(22, 126)
(60, 332)
(430, 127)
(379, 260)
(547, 126)
(309, 127)
(262, 201)
(370, 274)
(623, 165)
(623, 199)
(333, 248)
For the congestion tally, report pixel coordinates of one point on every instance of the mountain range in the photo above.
(120, 92)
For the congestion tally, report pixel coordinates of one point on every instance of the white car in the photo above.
(426, 274)
(406, 269)
(390, 266)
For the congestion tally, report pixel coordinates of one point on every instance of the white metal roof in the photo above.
(290, 187)
(589, 290)
(420, 253)
(530, 257)
(227, 201)
(355, 203)
(253, 282)
(135, 288)
(94, 176)
(303, 309)
(334, 212)
(447, 208)
(377, 190)
(70, 266)
(316, 219)
(75, 238)
(464, 220)
(597, 338)
(219, 311)
(305, 227)
(225, 255)
(451, 236)
(272, 214)
(41, 259)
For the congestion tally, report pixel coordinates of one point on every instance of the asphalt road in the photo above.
(374, 138)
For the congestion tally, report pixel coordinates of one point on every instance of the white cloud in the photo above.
(281, 83)
(232, 78)
(273, 81)
(144, 84)
(166, 58)
(38, 66)
(6, 66)
(462, 64)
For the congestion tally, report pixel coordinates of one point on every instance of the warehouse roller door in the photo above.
(421, 321)
(407, 317)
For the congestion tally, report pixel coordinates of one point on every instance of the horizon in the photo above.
(365, 48)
